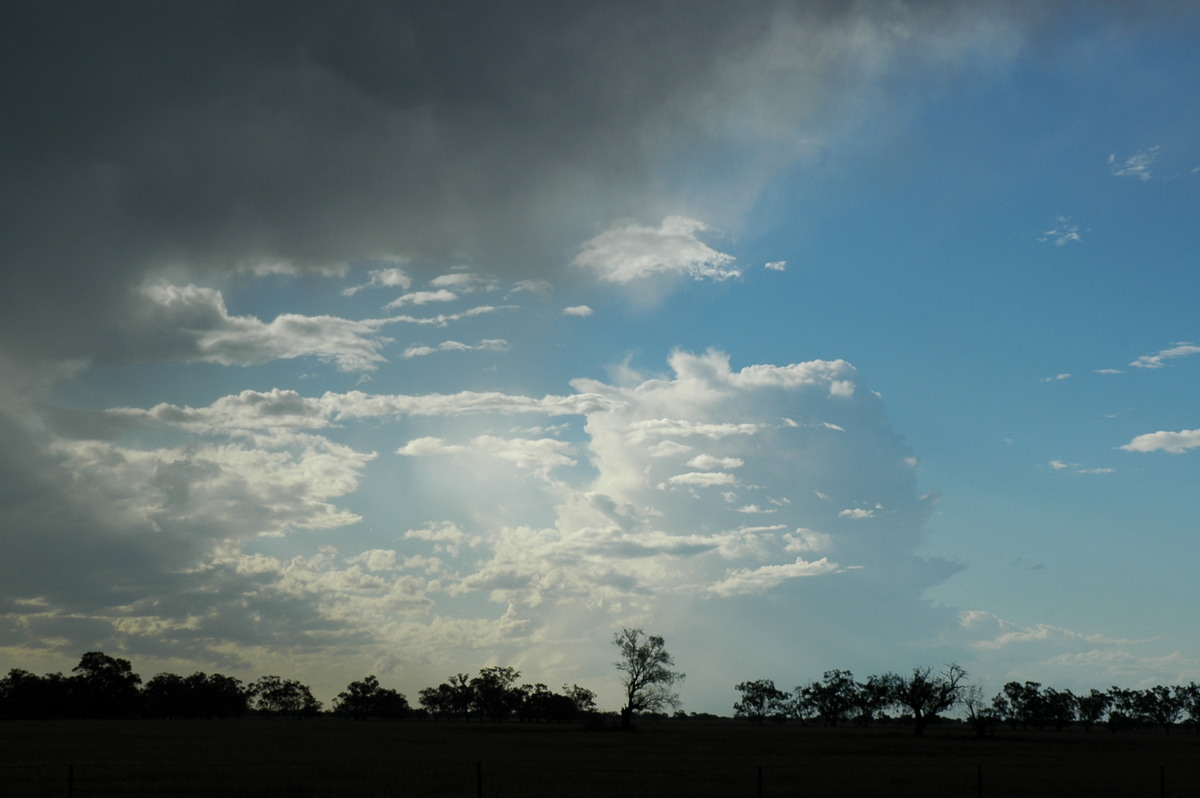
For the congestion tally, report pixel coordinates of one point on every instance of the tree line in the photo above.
(925, 695)
(102, 686)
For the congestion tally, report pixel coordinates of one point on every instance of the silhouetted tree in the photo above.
(287, 697)
(27, 696)
(496, 693)
(1091, 707)
(1058, 708)
(1161, 705)
(583, 698)
(366, 699)
(1022, 703)
(200, 695)
(832, 698)
(437, 701)
(926, 694)
(760, 700)
(539, 703)
(981, 715)
(645, 665)
(104, 687)
(1191, 704)
(1125, 709)
(453, 698)
(872, 697)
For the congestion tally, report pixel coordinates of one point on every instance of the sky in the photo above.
(407, 339)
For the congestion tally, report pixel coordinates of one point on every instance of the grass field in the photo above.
(691, 758)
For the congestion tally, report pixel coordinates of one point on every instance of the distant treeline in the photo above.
(101, 686)
(839, 699)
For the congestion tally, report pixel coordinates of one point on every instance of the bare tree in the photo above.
(926, 694)
(647, 677)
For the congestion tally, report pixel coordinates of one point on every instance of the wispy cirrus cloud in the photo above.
(745, 581)
(486, 345)
(1136, 165)
(391, 277)
(1062, 233)
(1059, 465)
(1157, 360)
(422, 298)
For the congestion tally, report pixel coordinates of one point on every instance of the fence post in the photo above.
(479, 779)
(70, 781)
(759, 793)
(1162, 781)
(979, 780)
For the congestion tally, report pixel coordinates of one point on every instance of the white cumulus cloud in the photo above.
(630, 251)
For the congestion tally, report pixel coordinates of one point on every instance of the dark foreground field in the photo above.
(691, 758)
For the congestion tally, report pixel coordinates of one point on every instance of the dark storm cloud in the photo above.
(235, 135)
(189, 138)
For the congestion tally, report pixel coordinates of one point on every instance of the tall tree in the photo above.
(104, 686)
(645, 665)
(832, 698)
(496, 693)
(927, 694)
(1091, 707)
(760, 700)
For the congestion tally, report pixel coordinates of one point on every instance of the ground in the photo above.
(327, 757)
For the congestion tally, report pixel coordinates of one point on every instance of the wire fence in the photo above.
(513, 779)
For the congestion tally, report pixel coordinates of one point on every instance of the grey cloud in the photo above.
(231, 136)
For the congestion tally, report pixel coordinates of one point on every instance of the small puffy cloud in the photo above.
(1136, 165)
(382, 278)
(486, 345)
(703, 479)
(578, 310)
(668, 449)
(375, 559)
(429, 446)
(422, 298)
(1164, 441)
(806, 540)
(629, 251)
(707, 462)
(1062, 233)
(1155, 361)
(1057, 377)
(856, 513)
(440, 532)
(1059, 465)
(464, 282)
(776, 265)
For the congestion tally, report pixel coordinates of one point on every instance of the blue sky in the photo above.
(416, 340)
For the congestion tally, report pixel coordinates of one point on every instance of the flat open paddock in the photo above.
(325, 757)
